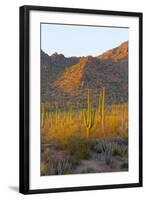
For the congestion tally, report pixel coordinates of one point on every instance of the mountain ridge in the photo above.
(68, 77)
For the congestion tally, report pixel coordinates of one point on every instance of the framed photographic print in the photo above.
(80, 99)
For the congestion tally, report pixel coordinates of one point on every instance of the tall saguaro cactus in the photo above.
(89, 115)
(42, 115)
(56, 115)
(101, 108)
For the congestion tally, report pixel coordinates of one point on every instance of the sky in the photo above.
(72, 40)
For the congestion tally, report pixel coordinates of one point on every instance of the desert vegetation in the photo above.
(84, 112)
(89, 139)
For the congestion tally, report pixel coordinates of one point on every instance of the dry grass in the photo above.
(60, 126)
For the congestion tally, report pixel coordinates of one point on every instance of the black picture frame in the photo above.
(24, 148)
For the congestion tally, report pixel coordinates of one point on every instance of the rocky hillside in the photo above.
(115, 54)
(65, 80)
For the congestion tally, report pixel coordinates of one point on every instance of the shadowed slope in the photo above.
(70, 77)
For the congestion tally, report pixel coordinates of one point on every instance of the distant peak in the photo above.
(56, 54)
(86, 59)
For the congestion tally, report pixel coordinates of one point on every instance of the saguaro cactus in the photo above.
(42, 115)
(56, 115)
(51, 119)
(89, 115)
(123, 116)
(69, 115)
(101, 108)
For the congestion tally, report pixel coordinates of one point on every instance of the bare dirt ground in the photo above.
(100, 166)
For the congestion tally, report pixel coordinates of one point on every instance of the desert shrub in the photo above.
(110, 148)
(63, 167)
(126, 135)
(88, 170)
(120, 150)
(43, 168)
(74, 160)
(55, 160)
(79, 147)
(44, 154)
(98, 148)
(56, 167)
(42, 150)
(92, 143)
(108, 156)
(107, 150)
(51, 167)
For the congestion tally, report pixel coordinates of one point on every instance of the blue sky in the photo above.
(72, 40)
